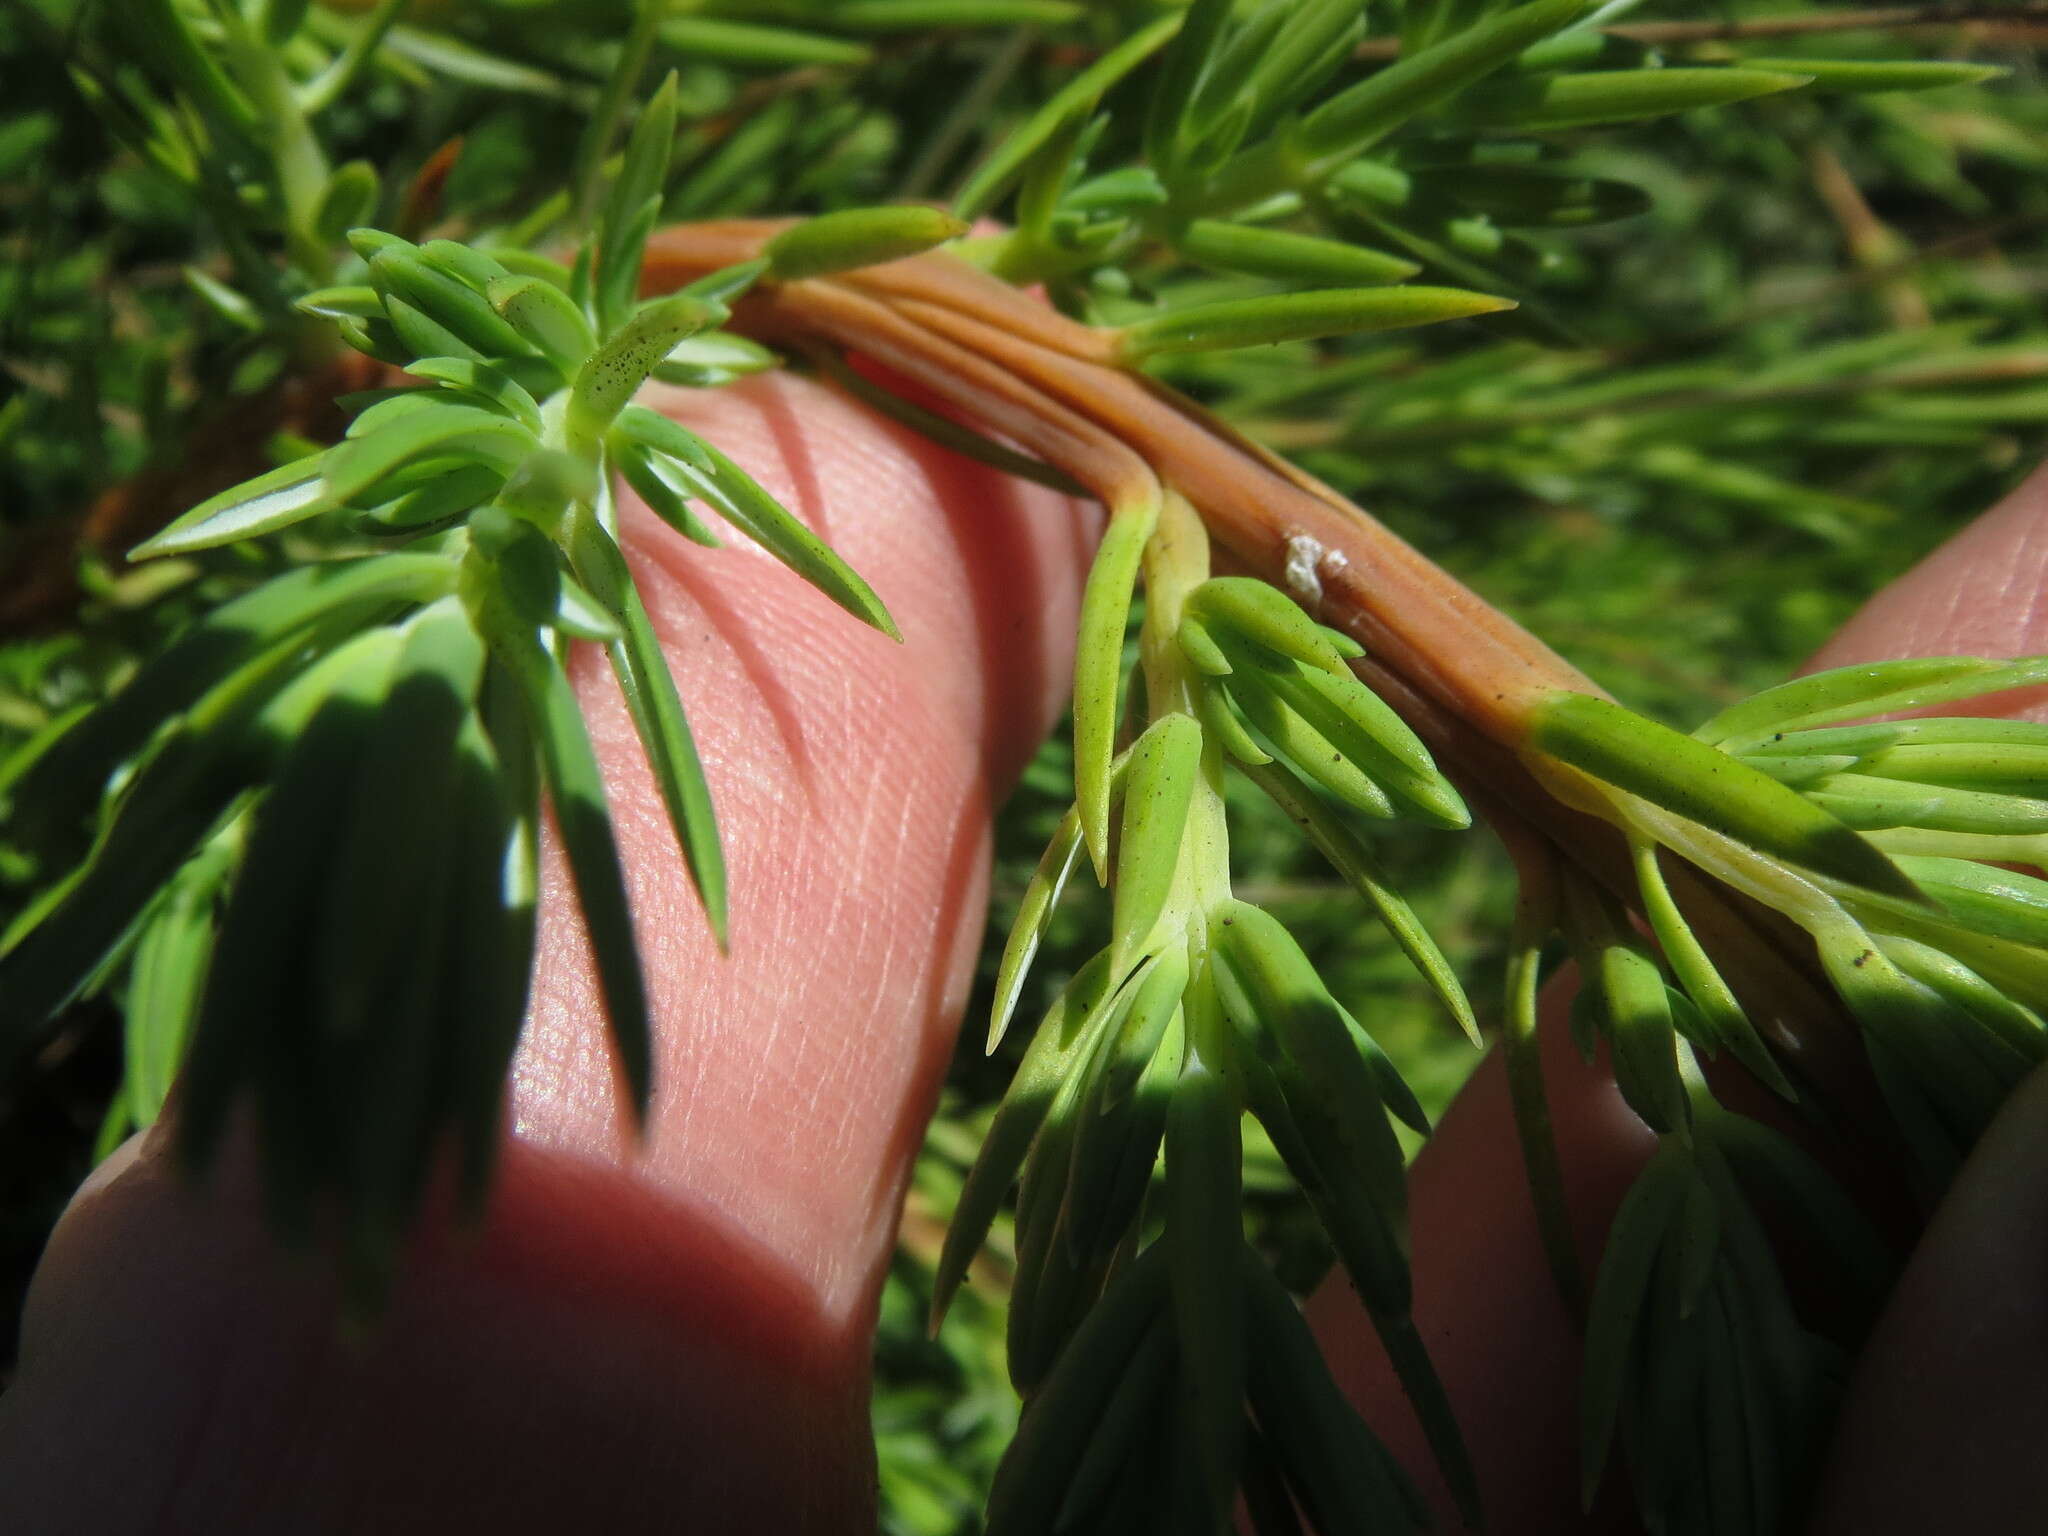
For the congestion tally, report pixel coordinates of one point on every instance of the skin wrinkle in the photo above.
(805, 491)
(690, 587)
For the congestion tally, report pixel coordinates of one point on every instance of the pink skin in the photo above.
(676, 1333)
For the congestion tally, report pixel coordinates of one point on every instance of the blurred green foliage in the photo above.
(1713, 429)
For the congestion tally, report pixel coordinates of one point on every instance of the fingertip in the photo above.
(1979, 594)
(1945, 1421)
(586, 1361)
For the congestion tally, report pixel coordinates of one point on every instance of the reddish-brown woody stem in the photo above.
(1463, 674)
(1003, 359)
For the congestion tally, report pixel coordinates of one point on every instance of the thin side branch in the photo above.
(1893, 18)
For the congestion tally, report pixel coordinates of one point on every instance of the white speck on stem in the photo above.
(1304, 555)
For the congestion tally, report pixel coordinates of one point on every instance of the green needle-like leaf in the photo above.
(380, 409)
(1768, 1160)
(1260, 612)
(353, 468)
(1189, 59)
(1098, 668)
(656, 432)
(2017, 1025)
(736, 497)
(1549, 102)
(418, 334)
(747, 45)
(363, 950)
(1159, 787)
(1220, 719)
(643, 474)
(1932, 1059)
(1515, 196)
(427, 285)
(2005, 762)
(327, 601)
(374, 970)
(320, 721)
(250, 1034)
(1698, 1236)
(1273, 76)
(353, 302)
(1050, 1292)
(1536, 918)
(1205, 1235)
(1875, 688)
(1863, 76)
(650, 691)
(1297, 317)
(546, 316)
(1059, 1047)
(623, 223)
(1311, 754)
(1393, 1088)
(491, 939)
(1344, 1477)
(1349, 856)
(613, 374)
(1867, 802)
(1199, 646)
(1269, 1503)
(224, 108)
(1071, 104)
(1034, 915)
(441, 498)
(713, 358)
(168, 974)
(176, 799)
(1354, 119)
(1284, 257)
(1156, 992)
(493, 387)
(857, 237)
(1269, 988)
(1621, 1295)
(1064, 1413)
(1695, 971)
(725, 285)
(1126, 1422)
(923, 15)
(289, 494)
(224, 301)
(1626, 994)
(1707, 786)
(349, 199)
(1352, 718)
(583, 817)
(1984, 898)
(1120, 1111)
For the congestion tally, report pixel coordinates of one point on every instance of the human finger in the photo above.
(643, 1330)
